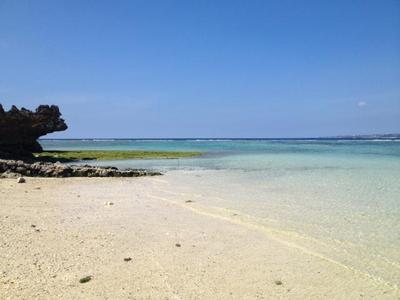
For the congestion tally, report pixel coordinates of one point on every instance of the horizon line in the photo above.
(348, 137)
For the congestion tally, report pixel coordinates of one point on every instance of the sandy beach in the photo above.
(199, 150)
(53, 232)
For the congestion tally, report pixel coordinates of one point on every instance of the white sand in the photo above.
(222, 256)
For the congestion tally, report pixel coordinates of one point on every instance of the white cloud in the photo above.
(361, 104)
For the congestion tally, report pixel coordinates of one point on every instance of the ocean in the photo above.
(335, 199)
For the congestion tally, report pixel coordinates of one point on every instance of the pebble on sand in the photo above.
(278, 282)
(85, 279)
(108, 203)
(177, 245)
(127, 259)
(21, 180)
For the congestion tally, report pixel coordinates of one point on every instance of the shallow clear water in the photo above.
(337, 199)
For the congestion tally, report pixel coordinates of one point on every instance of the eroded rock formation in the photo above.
(20, 129)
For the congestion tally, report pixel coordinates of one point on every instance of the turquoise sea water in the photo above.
(245, 154)
(336, 199)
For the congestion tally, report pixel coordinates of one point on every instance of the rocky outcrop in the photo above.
(20, 129)
(17, 168)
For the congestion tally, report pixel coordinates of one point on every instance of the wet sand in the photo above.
(53, 232)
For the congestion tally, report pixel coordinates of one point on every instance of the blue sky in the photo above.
(205, 68)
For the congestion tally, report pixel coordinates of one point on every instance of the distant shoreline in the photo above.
(347, 138)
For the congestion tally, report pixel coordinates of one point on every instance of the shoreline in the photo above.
(76, 234)
(59, 163)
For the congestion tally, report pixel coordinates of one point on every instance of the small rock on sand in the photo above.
(108, 203)
(21, 180)
(278, 282)
(127, 259)
(177, 245)
(85, 279)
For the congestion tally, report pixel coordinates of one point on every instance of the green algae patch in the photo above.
(65, 156)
